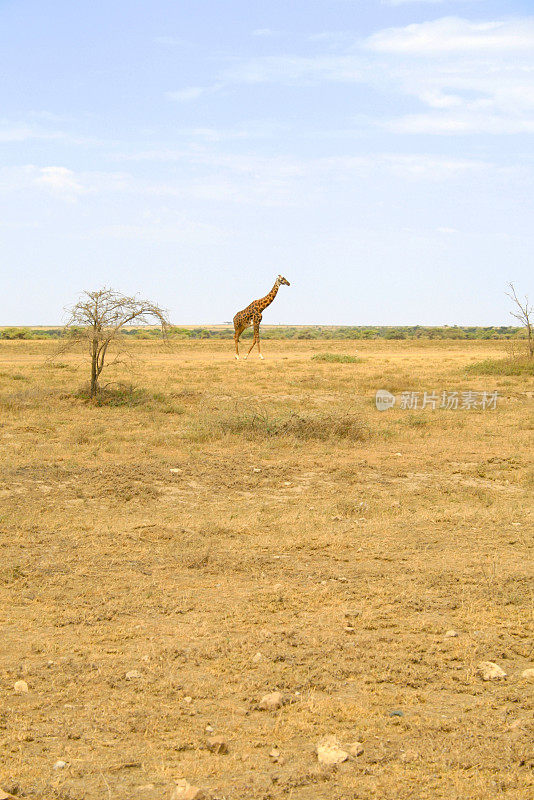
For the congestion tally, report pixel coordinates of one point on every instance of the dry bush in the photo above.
(261, 423)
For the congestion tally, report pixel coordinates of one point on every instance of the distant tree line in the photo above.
(316, 332)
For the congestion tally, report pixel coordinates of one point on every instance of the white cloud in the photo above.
(471, 77)
(60, 181)
(455, 35)
(468, 76)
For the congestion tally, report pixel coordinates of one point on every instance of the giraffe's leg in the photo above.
(257, 334)
(252, 345)
(256, 339)
(236, 339)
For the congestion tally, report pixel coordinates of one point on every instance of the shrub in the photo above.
(336, 358)
(260, 424)
(123, 394)
(503, 366)
(16, 333)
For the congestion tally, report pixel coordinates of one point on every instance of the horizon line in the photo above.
(293, 325)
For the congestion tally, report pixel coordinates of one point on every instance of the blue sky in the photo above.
(379, 153)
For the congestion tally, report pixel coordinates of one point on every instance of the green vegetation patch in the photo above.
(127, 395)
(503, 366)
(336, 358)
(309, 332)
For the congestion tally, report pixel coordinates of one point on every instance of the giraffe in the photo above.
(252, 315)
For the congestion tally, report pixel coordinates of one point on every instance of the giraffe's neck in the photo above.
(268, 299)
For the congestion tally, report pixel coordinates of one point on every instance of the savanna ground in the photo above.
(232, 509)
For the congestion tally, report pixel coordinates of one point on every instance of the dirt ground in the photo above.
(237, 528)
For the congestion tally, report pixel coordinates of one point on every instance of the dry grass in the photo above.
(363, 538)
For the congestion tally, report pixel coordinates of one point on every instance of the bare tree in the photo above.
(524, 315)
(97, 322)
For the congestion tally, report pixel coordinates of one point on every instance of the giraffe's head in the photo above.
(281, 280)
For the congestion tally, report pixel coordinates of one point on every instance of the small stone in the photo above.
(176, 470)
(216, 744)
(209, 728)
(60, 764)
(272, 701)
(355, 749)
(256, 469)
(21, 687)
(188, 700)
(489, 671)
(183, 790)
(528, 674)
(276, 756)
(133, 675)
(396, 713)
(349, 629)
(287, 483)
(451, 634)
(257, 658)
(329, 752)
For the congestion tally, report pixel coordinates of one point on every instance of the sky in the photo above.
(378, 153)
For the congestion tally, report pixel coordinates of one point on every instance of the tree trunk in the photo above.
(94, 372)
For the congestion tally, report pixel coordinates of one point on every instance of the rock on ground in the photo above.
(216, 744)
(183, 790)
(329, 751)
(528, 674)
(489, 671)
(20, 687)
(272, 701)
